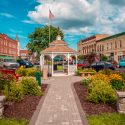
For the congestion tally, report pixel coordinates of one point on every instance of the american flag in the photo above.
(51, 15)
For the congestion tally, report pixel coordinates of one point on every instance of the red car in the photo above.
(83, 64)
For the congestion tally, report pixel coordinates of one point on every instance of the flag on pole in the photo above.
(51, 15)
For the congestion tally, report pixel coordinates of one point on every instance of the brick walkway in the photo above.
(59, 106)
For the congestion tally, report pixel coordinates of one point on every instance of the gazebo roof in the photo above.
(58, 46)
(58, 42)
(59, 49)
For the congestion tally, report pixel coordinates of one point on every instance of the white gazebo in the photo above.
(59, 48)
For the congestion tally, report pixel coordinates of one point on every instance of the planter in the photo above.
(121, 102)
(2, 100)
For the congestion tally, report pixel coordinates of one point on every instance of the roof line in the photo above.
(113, 36)
(8, 36)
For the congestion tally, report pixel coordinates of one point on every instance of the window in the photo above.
(111, 45)
(115, 44)
(102, 47)
(120, 44)
(97, 48)
(107, 46)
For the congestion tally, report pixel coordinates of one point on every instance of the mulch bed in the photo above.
(25, 108)
(89, 107)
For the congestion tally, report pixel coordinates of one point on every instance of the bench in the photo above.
(86, 74)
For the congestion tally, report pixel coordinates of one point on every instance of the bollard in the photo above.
(38, 78)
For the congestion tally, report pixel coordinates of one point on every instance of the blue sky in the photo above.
(77, 18)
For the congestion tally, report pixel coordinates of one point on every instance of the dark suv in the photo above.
(102, 65)
(25, 63)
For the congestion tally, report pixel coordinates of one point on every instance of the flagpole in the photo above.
(49, 30)
(51, 16)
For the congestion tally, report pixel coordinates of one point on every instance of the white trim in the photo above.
(52, 64)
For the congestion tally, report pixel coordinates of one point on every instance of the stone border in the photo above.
(36, 113)
(82, 113)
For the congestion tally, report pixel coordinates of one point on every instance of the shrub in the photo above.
(78, 72)
(86, 82)
(122, 74)
(14, 92)
(101, 91)
(21, 71)
(30, 71)
(5, 79)
(26, 71)
(106, 71)
(101, 77)
(30, 86)
(117, 82)
(89, 70)
(104, 58)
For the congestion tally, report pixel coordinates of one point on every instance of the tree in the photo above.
(39, 39)
(90, 57)
(104, 58)
(81, 57)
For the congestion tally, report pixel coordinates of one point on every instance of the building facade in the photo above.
(24, 54)
(88, 45)
(113, 46)
(8, 47)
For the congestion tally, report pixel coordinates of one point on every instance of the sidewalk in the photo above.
(59, 106)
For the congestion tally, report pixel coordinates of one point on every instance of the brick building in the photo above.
(88, 45)
(112, 46)
(9, 48)
(24, 54)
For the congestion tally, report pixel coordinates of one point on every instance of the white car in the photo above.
(8, 63)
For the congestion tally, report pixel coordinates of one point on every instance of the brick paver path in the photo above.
(59, 106)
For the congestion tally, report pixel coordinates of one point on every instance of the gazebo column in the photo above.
(52, 63)
(68, 63)
(42, 61)
(76, 62)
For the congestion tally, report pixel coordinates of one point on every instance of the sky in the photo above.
(78, 19)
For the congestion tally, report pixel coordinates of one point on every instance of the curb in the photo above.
(80, 109)
(36, 113)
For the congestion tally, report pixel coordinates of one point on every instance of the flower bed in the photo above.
(22, 97)
(24, 108)
(27, 71)
(98, 95)
(89, 107)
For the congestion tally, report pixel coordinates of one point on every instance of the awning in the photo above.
(6, 57)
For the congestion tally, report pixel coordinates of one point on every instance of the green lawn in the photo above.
(59, 68)
(7, 121)
(107, 119)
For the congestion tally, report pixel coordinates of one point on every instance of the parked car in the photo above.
(8, 64)
(83, 64)
(122, 62)
(25, 63)
(102, 65)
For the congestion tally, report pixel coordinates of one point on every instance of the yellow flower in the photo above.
(101, 77)
(115, 77)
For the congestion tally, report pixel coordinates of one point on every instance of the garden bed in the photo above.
(89, 107)
(23, 109)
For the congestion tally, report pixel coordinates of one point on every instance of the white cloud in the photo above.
(66, 12)
(82, 16)
(8, 15)
(28, 21)
(15, 31)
